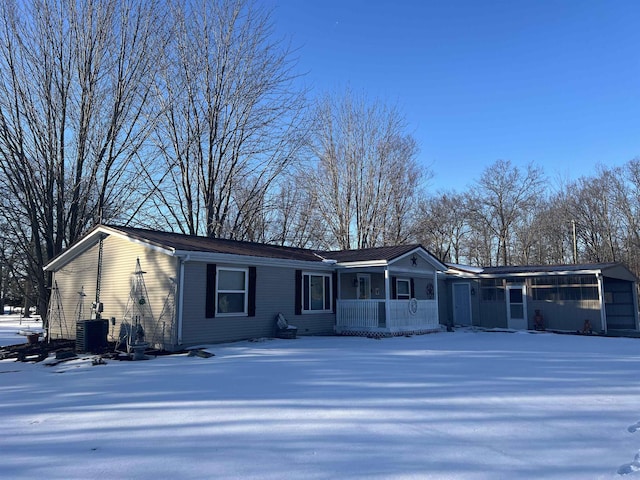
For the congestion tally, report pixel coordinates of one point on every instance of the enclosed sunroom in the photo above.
(600, 297)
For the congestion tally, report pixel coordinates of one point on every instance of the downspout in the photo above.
(179, 312)
(603, 315)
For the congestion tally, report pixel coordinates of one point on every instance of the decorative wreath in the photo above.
(413, 306)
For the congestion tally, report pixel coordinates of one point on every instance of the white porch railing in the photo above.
(358, 313)
(404, 315)
(408, 314)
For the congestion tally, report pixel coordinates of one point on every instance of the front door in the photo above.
(461, 304)
(364, 286)
(516, 307)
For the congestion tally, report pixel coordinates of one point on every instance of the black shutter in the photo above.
(251, 301)
(334, 279)
(298, 292)
(210, 304)
(413, 289)
(393, 288)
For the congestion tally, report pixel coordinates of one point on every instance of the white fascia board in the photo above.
(91, 239)
(457, 267)
(363, 264)
(230, 258)
(412, 271)
(538, 274)
(459, 274)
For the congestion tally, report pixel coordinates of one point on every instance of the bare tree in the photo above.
(74, 84)
(441, 225)
(295, 220)
(230, 118)
(366, 176)
(505, 192)
(625, 193)
(594, 205)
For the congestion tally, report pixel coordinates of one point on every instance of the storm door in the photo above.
(516, 307)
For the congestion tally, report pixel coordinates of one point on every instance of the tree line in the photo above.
(191, 116)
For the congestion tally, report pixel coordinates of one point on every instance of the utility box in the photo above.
(91, 336)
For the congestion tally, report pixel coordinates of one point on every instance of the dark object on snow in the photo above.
(283, 329)
(587, 329)
(26, 352)
(64, 354)
(538, 321)
(200, 353)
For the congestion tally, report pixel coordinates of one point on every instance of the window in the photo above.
(231, 291)
(403, 289)
(565, 288)
(316, 292)
(492, 290)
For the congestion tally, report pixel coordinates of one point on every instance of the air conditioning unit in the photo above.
(91, 335)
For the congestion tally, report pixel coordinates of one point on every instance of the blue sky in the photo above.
(547, 81)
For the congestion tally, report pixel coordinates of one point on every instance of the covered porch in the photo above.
(388, 297)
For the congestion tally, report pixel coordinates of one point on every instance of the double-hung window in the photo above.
(316, 292)
(403, 289)
(231, 291)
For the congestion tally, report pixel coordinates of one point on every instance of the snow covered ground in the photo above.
(13, 328)
(462, 405)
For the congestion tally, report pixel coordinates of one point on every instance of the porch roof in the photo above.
(382, 255)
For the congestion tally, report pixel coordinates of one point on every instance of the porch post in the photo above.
(634, 291)
(603, 315)
(387, 290)
(435, 295)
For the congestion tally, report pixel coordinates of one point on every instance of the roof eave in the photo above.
(218, 257)
(94, 237)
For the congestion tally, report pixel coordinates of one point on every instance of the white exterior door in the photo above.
(516, 307)
(364, 286)
(461, 304)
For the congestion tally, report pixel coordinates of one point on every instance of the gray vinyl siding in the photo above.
(493, 314)
(117, 276)
(566, 315)
(420, 286)
(275, 292)
(406, 263)
(349, 292)
(445, 301)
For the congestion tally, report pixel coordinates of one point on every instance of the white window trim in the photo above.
(407, 295)
(317, 274)
(245, 292)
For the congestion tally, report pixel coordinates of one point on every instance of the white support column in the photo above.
(338, 301)
(435, 295)
(603, 315)
(634, 291)
(387, 298)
